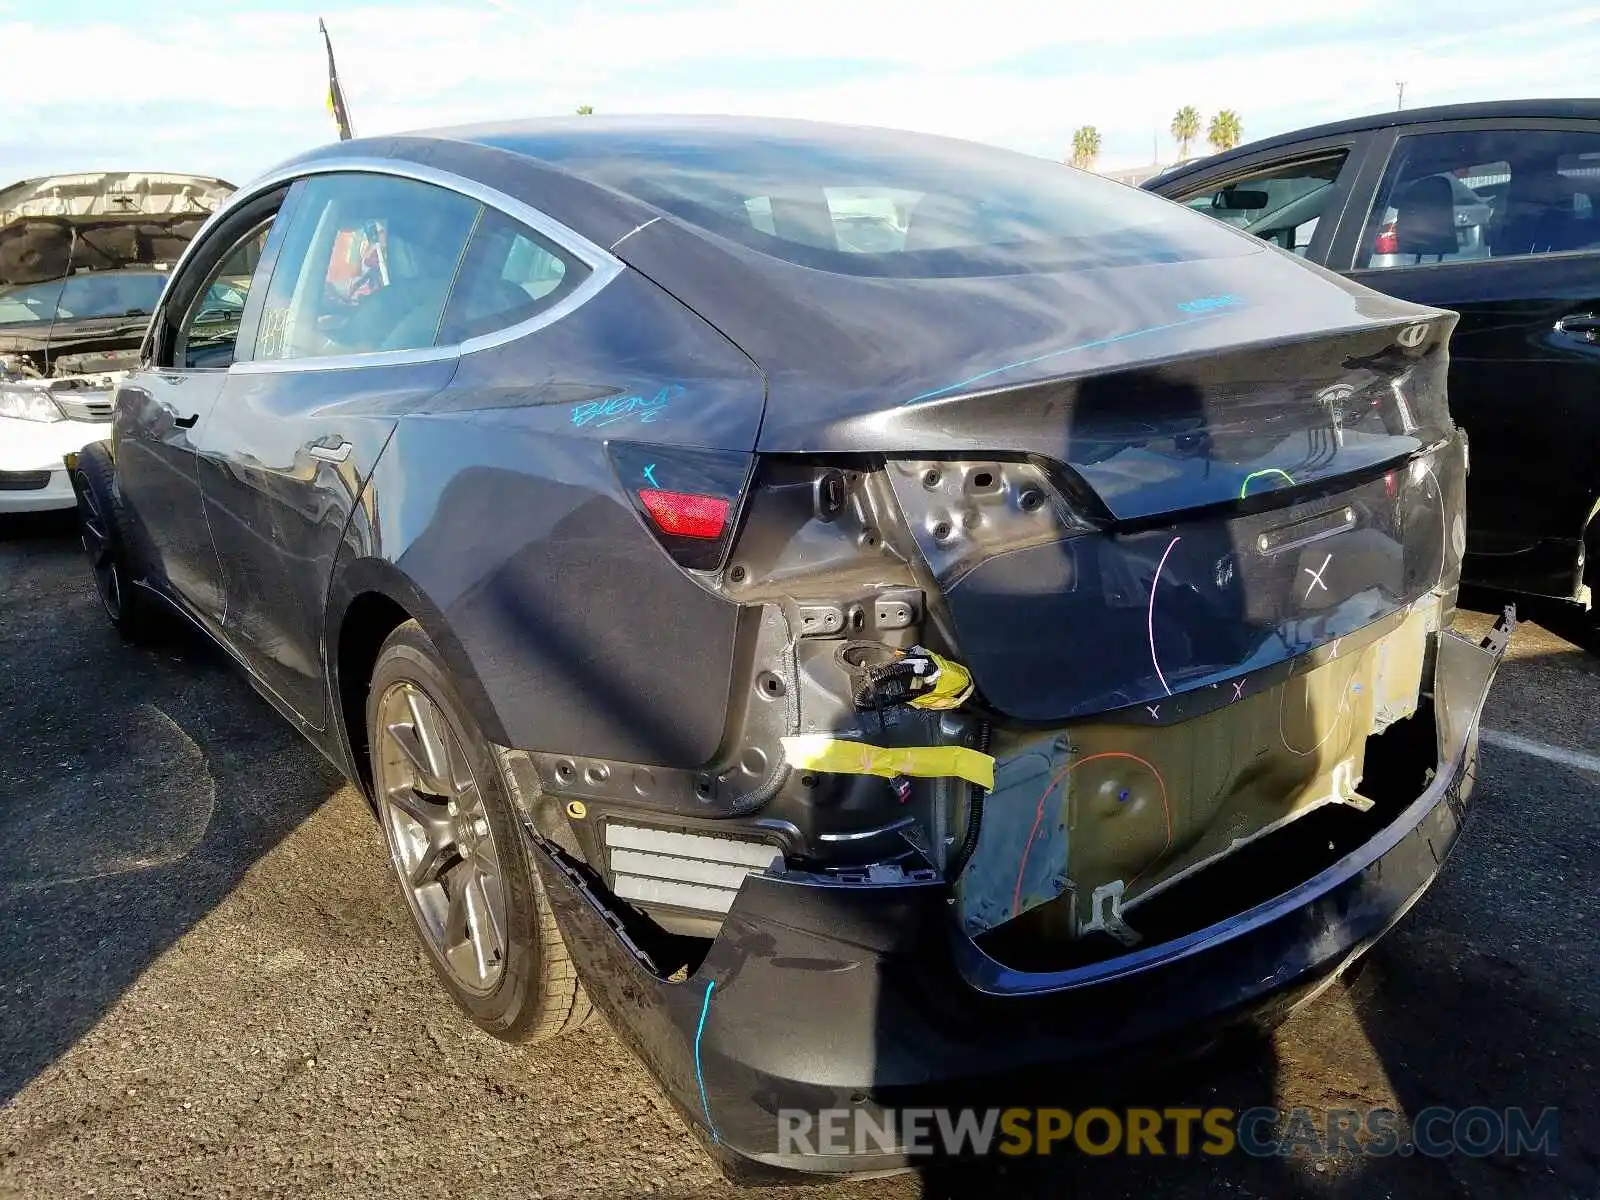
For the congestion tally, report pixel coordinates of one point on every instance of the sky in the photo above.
(231, 88)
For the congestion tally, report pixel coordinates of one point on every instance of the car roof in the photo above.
(564, 142)
(1572, 109)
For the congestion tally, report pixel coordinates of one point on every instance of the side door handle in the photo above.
(186, 422)
(1583, 325)
(329, 451)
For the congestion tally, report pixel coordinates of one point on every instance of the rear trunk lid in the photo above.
(1241, 457)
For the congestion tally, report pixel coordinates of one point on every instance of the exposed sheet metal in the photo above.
(1140, 806)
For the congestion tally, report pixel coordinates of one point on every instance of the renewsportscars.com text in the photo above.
(1258, 1132)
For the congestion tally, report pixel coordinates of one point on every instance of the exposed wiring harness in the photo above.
(917, 677)
(922, 679)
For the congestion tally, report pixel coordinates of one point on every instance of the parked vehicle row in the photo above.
(870, 612)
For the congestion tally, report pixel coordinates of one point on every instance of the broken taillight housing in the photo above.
(688, 499)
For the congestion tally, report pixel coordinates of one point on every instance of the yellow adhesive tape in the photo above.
(819, 752)
(949, 690)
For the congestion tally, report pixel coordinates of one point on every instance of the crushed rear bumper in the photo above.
(819, 995)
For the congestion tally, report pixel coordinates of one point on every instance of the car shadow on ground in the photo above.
(137, 786)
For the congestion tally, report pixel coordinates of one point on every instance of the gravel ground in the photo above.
(207, 985)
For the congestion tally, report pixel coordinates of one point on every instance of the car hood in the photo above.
(100, 220)
(88, 223)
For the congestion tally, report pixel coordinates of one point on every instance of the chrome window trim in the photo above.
(603, 266)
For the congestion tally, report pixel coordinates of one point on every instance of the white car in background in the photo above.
(39, 424)
(83, 260)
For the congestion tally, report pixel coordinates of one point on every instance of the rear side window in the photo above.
(366, 266)
(1282, 203)
(867, 202)
(509, 274)
(1484, 194)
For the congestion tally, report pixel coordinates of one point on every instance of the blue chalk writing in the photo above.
(1210, 303)
(618, 408)
(699, 1068)
(650, 475)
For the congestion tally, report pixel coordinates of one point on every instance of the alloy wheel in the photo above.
(95, 534)
(440, 840)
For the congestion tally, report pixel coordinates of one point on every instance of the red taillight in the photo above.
(1386, 242)
(683, 514)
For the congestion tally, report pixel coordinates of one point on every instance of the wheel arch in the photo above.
(369, 599)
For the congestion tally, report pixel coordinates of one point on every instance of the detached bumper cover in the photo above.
(822, 995)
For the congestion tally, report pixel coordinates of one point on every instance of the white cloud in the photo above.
(239, 90)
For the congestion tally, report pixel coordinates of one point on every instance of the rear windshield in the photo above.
(871, 202)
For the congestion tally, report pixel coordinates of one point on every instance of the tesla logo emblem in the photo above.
(1333, 400)
(1316, 577)
(1412, 336)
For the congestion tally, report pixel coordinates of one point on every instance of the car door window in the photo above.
(508, 275)
(367, 266)
(1484, 194)
(1281, 202)
(209, 335)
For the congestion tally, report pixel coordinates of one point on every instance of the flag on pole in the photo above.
(336, 105)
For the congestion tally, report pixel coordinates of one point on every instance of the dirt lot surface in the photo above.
(207, 986)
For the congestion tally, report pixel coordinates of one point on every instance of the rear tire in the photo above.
(476, 901)
(103, 532)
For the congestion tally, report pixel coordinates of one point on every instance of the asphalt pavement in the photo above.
(208, 986)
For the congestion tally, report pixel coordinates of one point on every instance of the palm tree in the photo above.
(1085, 146)
(586, 110)
(1185, 128)
(1225, 132)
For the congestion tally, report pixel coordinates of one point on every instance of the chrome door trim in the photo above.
(603, 266)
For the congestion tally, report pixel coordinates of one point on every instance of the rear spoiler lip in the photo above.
(872, 424)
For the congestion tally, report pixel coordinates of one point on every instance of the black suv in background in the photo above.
(1492, 210)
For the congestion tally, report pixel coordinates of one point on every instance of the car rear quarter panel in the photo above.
(498, 512)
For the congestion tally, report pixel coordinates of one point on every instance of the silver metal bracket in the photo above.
(1105, 907)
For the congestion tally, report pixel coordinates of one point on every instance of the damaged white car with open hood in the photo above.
(83, 260)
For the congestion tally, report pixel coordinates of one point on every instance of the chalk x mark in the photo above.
(1316, 577)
